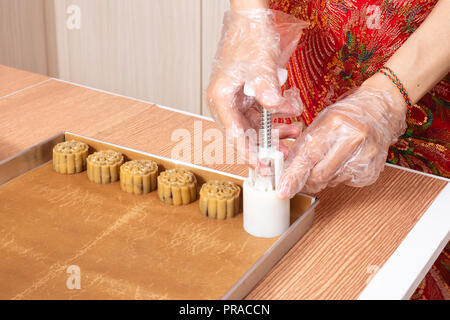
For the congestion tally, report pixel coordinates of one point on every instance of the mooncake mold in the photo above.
(139, 176)
(103, 166)
(219, 199)
(177, 187)
(69, 157)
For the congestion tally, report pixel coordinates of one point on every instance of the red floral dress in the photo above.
(346, 43)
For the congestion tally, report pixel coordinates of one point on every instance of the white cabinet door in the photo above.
(212, 16)
(156, 50)
(22, 35)
(148, 49)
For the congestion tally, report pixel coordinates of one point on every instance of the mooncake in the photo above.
(103, 166)
(138, 176)
(177, 187)
(219, 199)
(69, 157)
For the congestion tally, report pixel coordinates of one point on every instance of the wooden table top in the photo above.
(12, 80)
(355, 228)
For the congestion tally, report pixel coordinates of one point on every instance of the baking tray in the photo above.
(124, 246)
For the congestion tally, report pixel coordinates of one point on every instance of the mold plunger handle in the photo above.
(266, 117)
(265, 150)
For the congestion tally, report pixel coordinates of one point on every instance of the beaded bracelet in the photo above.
(384, 70)
(391, 75)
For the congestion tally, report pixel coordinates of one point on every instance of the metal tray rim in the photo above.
(262, 266)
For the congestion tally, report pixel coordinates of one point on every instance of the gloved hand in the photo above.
(347, 142)
(253, 46)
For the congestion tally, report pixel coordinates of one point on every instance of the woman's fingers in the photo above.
(321, 152)
(240, 117)
(280, 130)
(341, 151)
(267, 89)
(304, 155)
(268, 94)
(221, 98)
(364, 169)
(348, 142)
(224, 100)
(286, 131)
(294, 178)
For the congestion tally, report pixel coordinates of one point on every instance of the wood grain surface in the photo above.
(356, 230)
(53, 107)
(12, 80)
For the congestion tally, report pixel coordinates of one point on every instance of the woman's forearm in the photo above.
(424, 59)
(249, 4)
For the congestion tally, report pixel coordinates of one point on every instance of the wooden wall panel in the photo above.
(22, 35)
(212, 16)
(158, 50)
(145, 49)
(14, 80)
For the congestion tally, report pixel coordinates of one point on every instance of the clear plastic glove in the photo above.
(347, 143)
(254, 45)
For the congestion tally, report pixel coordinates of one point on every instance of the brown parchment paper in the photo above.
(126, 246)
